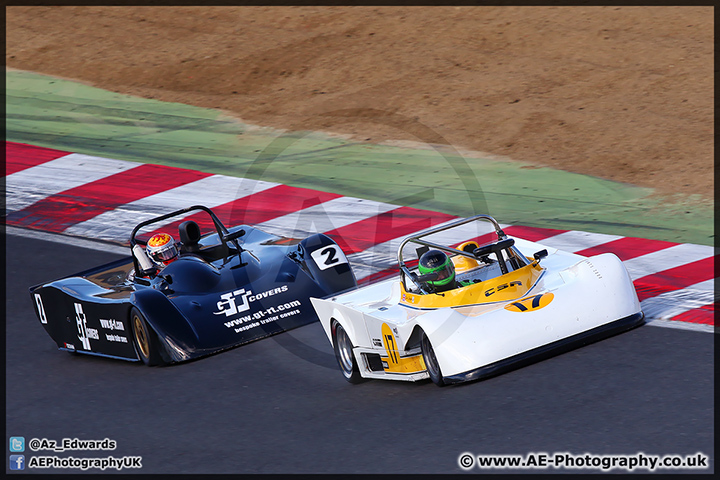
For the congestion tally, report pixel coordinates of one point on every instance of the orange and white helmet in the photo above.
(161, 248)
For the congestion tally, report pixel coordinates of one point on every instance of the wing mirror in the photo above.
(489, 248)
(483, 251)
(540, 255)
(232, 236)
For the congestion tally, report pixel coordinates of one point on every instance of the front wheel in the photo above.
(431, 363)
(344, 353)
(146, 342)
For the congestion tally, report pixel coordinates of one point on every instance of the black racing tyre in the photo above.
(145, 339)
(431, 363)
(344, 353)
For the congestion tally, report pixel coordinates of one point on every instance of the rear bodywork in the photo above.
(234, 286)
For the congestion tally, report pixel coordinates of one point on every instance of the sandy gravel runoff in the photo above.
(623, 93)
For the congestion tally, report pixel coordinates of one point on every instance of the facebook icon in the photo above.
(17, 462)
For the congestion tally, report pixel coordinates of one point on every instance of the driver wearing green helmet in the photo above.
(441, 271)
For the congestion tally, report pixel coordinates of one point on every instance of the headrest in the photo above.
(468, 246)
(189, 233)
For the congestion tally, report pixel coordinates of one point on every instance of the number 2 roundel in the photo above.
(328, 256)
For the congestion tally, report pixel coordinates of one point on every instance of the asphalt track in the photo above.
(280, 405)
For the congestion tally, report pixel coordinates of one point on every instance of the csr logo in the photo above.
(499, 288)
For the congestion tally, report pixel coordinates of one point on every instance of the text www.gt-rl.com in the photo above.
(638, 461)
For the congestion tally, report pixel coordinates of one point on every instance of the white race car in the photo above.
(502, 309)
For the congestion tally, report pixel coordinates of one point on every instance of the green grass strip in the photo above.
(66, 115)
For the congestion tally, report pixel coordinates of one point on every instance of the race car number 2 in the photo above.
(328, 256)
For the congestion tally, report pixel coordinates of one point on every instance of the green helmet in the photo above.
(435, 261)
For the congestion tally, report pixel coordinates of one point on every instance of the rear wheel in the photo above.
(344, 353)
(431, 363)
(146, 342)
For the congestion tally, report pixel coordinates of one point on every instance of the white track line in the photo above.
(33, 184)
(670, 304)
(666, 259)
(210, 191)
(67, 240)
(327, 216)
(696, 327)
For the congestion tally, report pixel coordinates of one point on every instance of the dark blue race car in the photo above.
(225, 288)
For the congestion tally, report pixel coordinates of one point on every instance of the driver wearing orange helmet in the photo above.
(162, 249)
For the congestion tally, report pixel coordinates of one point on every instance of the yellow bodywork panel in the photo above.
(511, 286)
(536, 302)
(396, 363)
(463, 264)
